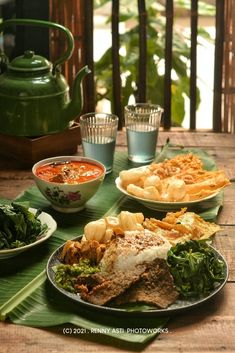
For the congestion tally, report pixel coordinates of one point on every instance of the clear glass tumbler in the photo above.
(98, 132)
(142, 121)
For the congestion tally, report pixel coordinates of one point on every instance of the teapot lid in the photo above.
(29, 62)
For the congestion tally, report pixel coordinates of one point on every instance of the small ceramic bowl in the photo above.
(64, 197)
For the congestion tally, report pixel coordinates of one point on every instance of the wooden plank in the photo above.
(218, 67)
(168, 64)
(224, 242)
(28, 150)
(17, 186)
(227, 214)
(89, 87)
(142, 67)
(208, 328)
(228, 89)
(226, 65)
(116, 75)
(193, 64)
(70, 15)
(197, 139)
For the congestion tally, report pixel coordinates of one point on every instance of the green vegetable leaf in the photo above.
(195, 267)
(18, 226)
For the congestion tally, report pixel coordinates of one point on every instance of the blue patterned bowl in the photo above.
(68, 198)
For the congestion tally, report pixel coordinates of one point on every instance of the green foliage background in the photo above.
(129, 56)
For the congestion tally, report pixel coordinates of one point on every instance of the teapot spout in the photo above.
(75, 105)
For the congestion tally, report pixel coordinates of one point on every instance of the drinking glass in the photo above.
(142, 121)
(98, 133)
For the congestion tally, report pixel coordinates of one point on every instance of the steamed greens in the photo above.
(196, 268)
(19, 226)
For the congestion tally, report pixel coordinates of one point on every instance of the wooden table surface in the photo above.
(208, 328)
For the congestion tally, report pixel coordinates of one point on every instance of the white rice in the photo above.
(128, 254)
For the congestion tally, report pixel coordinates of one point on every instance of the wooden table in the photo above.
(208, 328)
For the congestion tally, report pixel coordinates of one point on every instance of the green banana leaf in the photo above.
(27, 298)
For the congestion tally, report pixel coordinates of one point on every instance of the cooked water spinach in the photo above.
(196, 268)
(19, 226)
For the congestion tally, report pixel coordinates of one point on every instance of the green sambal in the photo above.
(66, 275)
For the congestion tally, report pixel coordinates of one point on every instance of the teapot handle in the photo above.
(41, 23)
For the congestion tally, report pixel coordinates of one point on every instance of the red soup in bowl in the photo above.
(69, 172)
(68, 182)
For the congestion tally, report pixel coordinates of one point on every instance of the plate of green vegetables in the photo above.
(22, 228)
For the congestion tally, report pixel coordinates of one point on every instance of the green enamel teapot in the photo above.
(34, 95)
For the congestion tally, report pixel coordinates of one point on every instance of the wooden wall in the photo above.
(70, 14)
(229, 68)
(77, 15)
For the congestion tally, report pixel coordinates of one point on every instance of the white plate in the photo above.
(45, 218)
(163, 206)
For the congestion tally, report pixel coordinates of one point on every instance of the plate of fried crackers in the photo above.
(172, 184)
